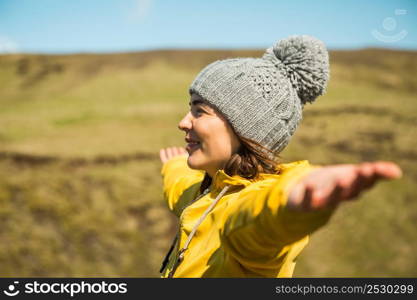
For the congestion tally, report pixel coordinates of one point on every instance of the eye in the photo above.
(198, 111)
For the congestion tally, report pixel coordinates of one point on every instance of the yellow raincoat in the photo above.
(249, 233)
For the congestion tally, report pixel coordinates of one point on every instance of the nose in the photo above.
(185, 124)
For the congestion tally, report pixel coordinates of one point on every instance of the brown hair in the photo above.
(248, 162)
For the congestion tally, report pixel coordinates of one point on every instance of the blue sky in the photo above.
(73, 26)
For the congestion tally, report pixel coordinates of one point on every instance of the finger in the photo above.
(169, 153)
(366, 178)
(296, 196)
(358, 185)
(162, 155)
(346, 182)
(183, 151)
(387, 170)
(175, 151)
(367, 175)
(178, 151)
(320, 197)
(367, 170)
(380, 170)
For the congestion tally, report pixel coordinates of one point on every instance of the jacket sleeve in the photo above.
(180, 183)
(259, 227)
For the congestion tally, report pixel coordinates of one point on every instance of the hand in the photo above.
(330, 185)
(166, 154)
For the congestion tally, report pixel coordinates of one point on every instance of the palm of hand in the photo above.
(166, 154)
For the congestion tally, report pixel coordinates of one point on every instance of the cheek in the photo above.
(217, 140)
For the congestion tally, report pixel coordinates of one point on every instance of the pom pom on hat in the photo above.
(305, 61)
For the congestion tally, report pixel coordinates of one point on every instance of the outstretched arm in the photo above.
(262, 224)
(329, 186)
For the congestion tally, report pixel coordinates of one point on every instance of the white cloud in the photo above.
(140, 10)
(7, 45)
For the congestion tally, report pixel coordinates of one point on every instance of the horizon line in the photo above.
(109, 52)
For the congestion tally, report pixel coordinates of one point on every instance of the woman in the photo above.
(242, 213)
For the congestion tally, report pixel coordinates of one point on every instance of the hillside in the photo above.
(80, 191)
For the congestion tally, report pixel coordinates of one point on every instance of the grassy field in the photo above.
(80, 186)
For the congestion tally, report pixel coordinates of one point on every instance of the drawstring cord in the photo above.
(192, 233)
(166, 259)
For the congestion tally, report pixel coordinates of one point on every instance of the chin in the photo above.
(194, 162)
(191, 163)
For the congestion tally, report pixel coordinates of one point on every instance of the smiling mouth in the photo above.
(192, 145)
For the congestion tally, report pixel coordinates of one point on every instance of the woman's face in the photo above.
(209, 137)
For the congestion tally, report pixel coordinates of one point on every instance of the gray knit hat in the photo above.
(263, 98)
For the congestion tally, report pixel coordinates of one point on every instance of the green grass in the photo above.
(81, 190)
